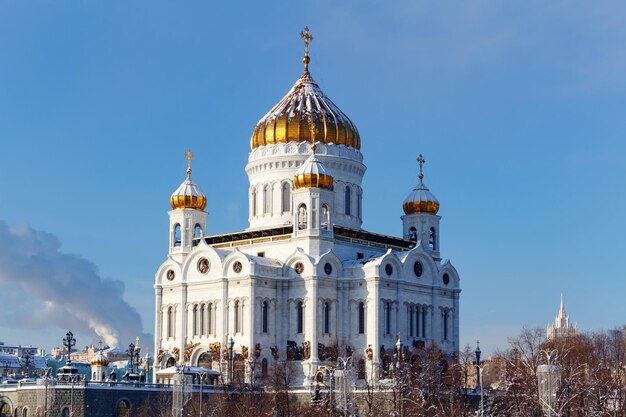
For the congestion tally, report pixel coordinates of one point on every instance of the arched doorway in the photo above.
(122, 409)
(5, 410)
(205, 361)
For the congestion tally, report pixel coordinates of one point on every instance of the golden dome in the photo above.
(313, 174)
(188, 195)
(305, 114)
(99, 359)
(421, 200)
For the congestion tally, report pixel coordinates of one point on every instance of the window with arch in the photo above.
(202, 329)
(412, 234)
(359, 198)
(444, 317)
(65, 412)
(264, 367)
(209, 319)
(326, 317)
(347, 200)
(170, 322)
(286, 197)
(177, 235)
(24, 412)
(361, 369)
(361, 318)
(300, 317)
(267, 199)
(237, 316)
(197, 231)
(196, 322)
(254, 202)
(325, 217)
(411, 321)
(264, 316)
(170, 362)
(424, 313)
(302, 221)
(432, 239)
(387, 318)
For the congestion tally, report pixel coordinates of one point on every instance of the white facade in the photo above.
(304, 282)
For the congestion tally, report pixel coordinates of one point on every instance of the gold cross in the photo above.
(421, 161)
(307, 38)
(189, 157)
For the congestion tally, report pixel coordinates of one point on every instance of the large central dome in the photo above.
(305, 114)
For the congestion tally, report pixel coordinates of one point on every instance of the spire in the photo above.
(562, 309)
(307, 37)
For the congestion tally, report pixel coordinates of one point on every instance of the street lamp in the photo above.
(231, 345)
(69, 342)
(27, 361)
(479, 376)
(549, 381)
(133, 354)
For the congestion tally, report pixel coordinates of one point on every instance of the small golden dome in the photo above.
(421, 200)
(313, 174)
(305, 114)
(188, 195)
(99, 359)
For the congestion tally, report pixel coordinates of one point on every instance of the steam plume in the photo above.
(43, 287)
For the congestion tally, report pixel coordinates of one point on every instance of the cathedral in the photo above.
(304, 284)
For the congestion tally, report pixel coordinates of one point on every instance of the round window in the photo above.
(418, 269)
(328, 268)
(237, 267)
(203, 265)
(446, 279)
(299, 267)
(389, 269)
(171, 274)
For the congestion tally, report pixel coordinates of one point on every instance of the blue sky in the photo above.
(518, 107)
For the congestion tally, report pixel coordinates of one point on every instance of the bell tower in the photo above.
(420, 221)
(187, 217)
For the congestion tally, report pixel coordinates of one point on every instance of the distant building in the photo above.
(561, 326)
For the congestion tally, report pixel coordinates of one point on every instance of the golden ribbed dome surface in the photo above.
(305, 114)
(313, 174)
(188, 194)
(99, 359)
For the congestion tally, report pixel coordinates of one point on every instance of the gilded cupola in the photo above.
(99, 359)
(313, 174)
(188, 195)
(421, 200)
(305, 114)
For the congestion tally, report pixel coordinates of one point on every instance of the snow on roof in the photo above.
(191, 370)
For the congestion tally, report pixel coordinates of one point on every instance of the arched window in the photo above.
(387, 318)
(325, 217)
(202, 331)
(359, 198)
(267, 200)
(286, 197)
(326, 318)
(264, 316)
(25, 412)
(205, 361)
(361, 369)
(65, 412)
(300, 318)
(361, 318)
(237, 312)
(170, 322)
(170, 362)
(197, 231)
(411, 318)
(424, 312)
(264, 367)
(412, 234)
(302, 222)
(254, 202)
(347, 200)
(432, 240)
(177, 238)
(209, 319)
(196, 330)
(444, 317)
